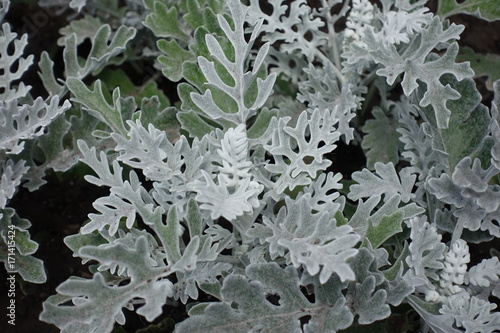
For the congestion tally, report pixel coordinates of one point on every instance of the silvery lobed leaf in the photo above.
(150, 150)
(8, 75)
(220, 201)
(315, 135)
(385, 181)
(426, 253)
(468, 190)
(21, 122)
(310, 240)
(11, 175)
(484, 274)
(31, 269)
(254, 312)
(472, 314)
(96, 304)
(290, 24)
(381, 140)
(241, 79)
(367, 298)
(415, 66)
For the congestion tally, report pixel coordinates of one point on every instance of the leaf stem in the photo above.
(490, 173)
(326, 60)
(457, 232)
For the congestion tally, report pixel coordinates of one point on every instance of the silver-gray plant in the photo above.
(240, 201)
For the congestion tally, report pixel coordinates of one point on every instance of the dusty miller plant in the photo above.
(231, 192)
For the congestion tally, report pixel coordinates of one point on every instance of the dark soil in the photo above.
(55, 211)
(60, 207)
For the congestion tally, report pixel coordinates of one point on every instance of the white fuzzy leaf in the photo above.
(311, 240)
(221, 202)
(485, 273)
(236, 72)
(11, 175)
(426, 253)
(234, 153)
(21, 122)
(415, 66)
(468, 190)
(290, 26)
(384, 181)
(472, 314)
(150, 151)
(7, 61)
(146, 282)
(314, 135)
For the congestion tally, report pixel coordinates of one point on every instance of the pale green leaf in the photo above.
(84, 28)
(163, 22)
(483, 64)
(385, 181)
(381, 141)
(97, 105)
(388, 227)
(488, 10)
(13, 231)
(255, 313)
(468, 125)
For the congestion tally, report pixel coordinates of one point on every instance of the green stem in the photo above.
(368, 79)
(325, 60)
(490, 173)
(457, 232)
(368, 98)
